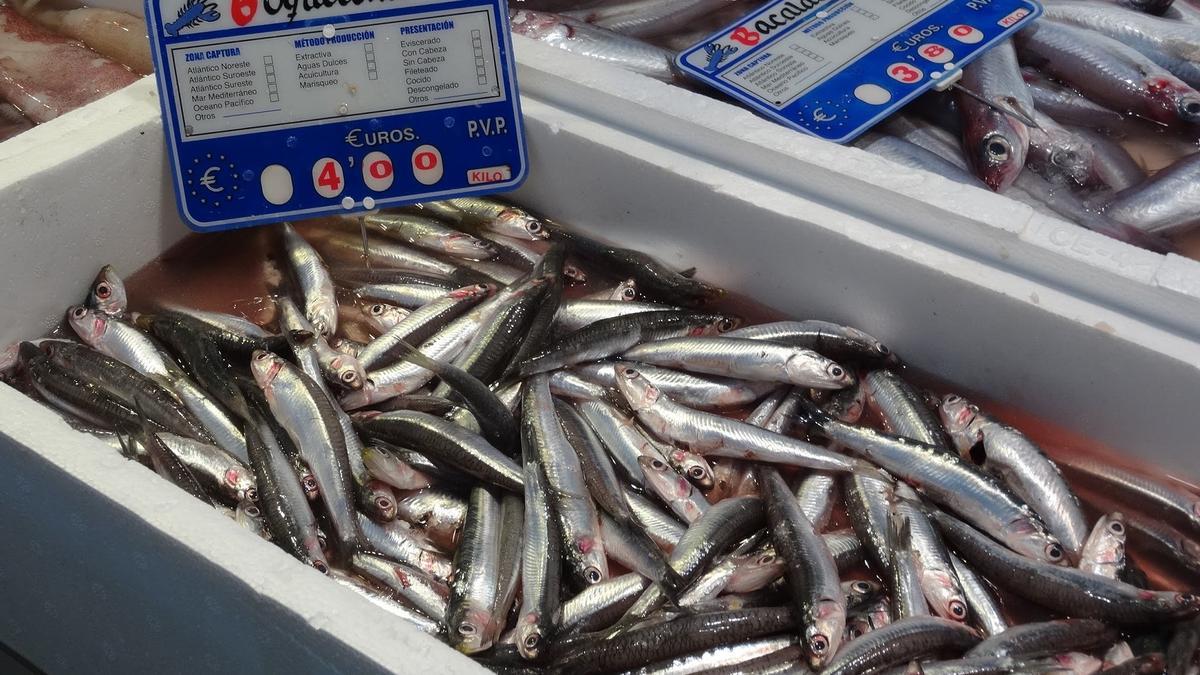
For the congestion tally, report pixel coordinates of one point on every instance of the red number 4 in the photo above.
(329, 177)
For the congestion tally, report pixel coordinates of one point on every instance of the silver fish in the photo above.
(909, 154)
(744, 359)
(986, 612)
(934, 567)
(473, 592)
(312, 280)
(694, 391)
(425, 593)
(1068, 106)
(575, 314)
(994, 142)
(711, 435)
(1058, 153)
(429, 234)
(107, 293)
(1166, 203)
(1104, 551)
(1023, 466)
(541, 561)
(580, 37)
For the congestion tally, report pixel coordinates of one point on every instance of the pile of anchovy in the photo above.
(614, 479)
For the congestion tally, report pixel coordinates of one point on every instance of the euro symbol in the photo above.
(209, 181)
(819, 115)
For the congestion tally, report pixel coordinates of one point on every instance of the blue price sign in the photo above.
(834, 68)
(278, 109)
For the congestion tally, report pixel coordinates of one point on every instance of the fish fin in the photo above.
(688, 273)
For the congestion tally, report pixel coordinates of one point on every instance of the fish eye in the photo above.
(958, 610)
(383, 503)
(533, 227)
(310, 483)
(348, 376)
(997, 148)
(836, 371)
(252, 511)
(883, 349)
(1192, 108)
(629, 294)
(78, 313)
(657, 465)
(466, 629)
(696, 472)
(1054, 552)
(376, 310)
(1187, 598)
(1116, 527)
(262, 356)
(861, 587)
(481, 287)
(320, 567)
(630, 374)
(103, 290)
(817, 644)
(592, 575)
(252, 494)
(531, 641)
(766, 559)
(726, 325)
(951, 398)
(855, 632)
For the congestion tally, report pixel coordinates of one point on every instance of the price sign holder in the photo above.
(834, 68)
(280, 109)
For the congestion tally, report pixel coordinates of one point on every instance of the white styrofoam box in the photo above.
(143, 578)
(916, 202)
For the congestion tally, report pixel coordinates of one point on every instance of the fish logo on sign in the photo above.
(192, 14)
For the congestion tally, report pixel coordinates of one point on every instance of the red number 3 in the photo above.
(906, 74)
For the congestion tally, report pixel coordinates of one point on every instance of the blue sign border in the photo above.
(159, 44)
(780, 115)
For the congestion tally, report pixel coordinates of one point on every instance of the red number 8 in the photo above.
(934, 50)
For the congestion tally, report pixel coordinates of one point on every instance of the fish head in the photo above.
(847, 405)
(470, 628)
(692, 466)
(589, 550)
(381, 501)
(626, 291)
(823, 631)
(861, 590)
(805, 365)
(996, 144)
(1173, 100)
(755, 571)
(1078, 663)
(89, 324)
(348, 371)
(1029, 538)
(1073, 157)
(959, 417)
(249, 516)
(516, 219)
(462, 244)
(382, 316)
(265, 366)
(718, 325)
(636, 389)
(574, 274)
(107, 292)
(944, 595)
(314, 553)
(530, 635)
(472, 291)
(1180, 604)
(241, 482)
(322, 314)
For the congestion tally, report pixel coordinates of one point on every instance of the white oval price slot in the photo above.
(276, 183)
(427, 165)
(378, 172)
(966, 34)
(902, 72)
(936, 53)
(328, 179)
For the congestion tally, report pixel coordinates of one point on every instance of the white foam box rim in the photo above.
(141, 577)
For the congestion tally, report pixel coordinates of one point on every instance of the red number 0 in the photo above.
(329, 178)
(425, 161)
(961, 31)
(905, 73)
(243, 10)
(380, 169)
(934, 50)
